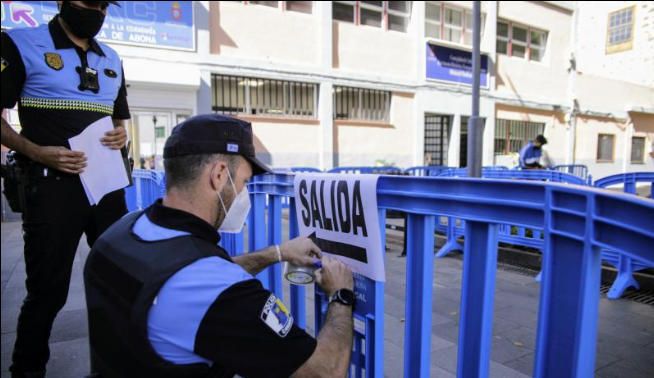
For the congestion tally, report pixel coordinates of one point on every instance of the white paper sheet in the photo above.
(339, 213)
(105, 170)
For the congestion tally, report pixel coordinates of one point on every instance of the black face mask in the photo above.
(84, 23)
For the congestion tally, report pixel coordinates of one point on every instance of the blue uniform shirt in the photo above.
(530, 156)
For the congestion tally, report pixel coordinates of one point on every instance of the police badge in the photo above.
(53, 60)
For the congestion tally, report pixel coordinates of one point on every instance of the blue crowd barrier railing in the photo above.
(625, 265)
(579, 170)
(149, 185)
(367, 169)
(577, 222)
(426, 170)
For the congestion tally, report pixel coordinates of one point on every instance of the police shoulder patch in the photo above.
(54, 61)
(276, 316)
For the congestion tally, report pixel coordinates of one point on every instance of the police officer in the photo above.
(63, 80)
(165, 300)
(530, 155)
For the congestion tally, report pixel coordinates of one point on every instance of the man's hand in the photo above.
(61, 158)
(300, 252)
(115, 139)
(333, 276)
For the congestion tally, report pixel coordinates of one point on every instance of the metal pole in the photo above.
(475, 125)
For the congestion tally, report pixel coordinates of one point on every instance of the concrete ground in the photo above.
(625, 341)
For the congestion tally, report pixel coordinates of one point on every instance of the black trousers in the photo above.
(57, 213)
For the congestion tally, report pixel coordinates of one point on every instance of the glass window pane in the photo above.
(467, 37)
(402, 6)
(637, 149)
(452, 35)
(432, 31)
(468, 17)
(273, 4)
(520, 34)
(397, 23)
(537, 38)
(605, 147)
(536, 54)
(501, 47)
(433, 12)
(503, 29)
(375, 3)
(453, 17)
(299, 6)
(371, 17)
(518, 51)
(343, 12)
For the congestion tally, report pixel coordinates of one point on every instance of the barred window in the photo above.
(605, 147)
(255, 96)
(361, 104)
(637, 150)
(511, 136)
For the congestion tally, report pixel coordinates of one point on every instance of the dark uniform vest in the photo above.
(123, 275)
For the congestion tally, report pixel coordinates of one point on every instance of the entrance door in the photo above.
(151, 129)
(436, 138)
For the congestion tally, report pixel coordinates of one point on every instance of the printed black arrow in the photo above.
(341, 249)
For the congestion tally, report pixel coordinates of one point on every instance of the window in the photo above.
(521, 41)
(159, 132)
(619, 33)
(436, 138)
(267, 97)
(637, 150)
(605, 144)
(390, 15)
(449, 23)
(293, 6)
(299, 6)
(361, 104)
(273, 4)
(511, 136)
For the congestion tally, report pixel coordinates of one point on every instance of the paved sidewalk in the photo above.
(625, 341)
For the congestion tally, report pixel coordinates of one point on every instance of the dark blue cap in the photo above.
(214, 134)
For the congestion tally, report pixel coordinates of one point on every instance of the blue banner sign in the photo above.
(453, 65)
(163, 24)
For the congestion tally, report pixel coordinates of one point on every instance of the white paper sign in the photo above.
(105, 170)
(339, 213)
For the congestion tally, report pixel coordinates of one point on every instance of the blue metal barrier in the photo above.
(149, 185)
(625, 265)
(577, 221)
(366, 169)
(579, 170)
(426, 170)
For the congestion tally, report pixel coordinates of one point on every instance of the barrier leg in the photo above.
(298, 300)
(420, 275)
(257, 232)
(624, 280)
(476, 321)
(451, 244)
(569, 301)
(275, 237)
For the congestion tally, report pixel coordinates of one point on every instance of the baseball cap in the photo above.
(214, 134)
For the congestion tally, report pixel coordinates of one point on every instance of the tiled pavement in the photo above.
(625, 342)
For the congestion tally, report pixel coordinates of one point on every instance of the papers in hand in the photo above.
(105, 170)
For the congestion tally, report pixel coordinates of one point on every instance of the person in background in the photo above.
(532, 153)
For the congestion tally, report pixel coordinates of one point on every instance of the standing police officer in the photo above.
(63, 80)
(165, 300)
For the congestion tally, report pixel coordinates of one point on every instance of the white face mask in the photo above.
(238, 211)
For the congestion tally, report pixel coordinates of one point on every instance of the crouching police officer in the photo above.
(63, 80)
(164, 300)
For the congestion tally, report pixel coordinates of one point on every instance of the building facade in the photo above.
(374, 82)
